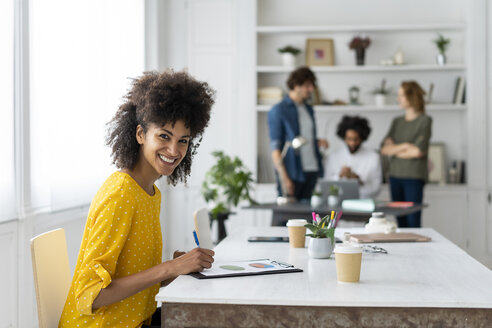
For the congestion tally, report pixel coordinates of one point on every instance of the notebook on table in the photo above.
(396, 237)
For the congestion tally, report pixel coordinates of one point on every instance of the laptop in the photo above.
(349, 189)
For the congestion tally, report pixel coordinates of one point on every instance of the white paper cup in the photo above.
(297, 233)
(348, 260)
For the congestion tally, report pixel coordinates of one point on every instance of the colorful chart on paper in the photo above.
(252, 267)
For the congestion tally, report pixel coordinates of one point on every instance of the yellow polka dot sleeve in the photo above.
(105, 240)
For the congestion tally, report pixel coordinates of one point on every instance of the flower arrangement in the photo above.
(381, 90)
(324, 227)
(290, 49)
(442, 43)
(359, 42)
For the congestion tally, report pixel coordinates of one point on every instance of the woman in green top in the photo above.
(406, 144)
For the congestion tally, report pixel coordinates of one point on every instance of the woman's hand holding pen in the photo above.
(193, 261)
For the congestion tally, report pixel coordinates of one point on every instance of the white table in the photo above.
(415, 284)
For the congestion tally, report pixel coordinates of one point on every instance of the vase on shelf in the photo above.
(288, 60)
(380, 99)
(360, 54)
(441, 59)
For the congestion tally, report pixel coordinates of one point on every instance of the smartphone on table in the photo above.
(268, 239)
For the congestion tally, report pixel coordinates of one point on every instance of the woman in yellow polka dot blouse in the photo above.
(119, 271)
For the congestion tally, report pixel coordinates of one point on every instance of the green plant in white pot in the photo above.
(333, 193)
(226, 184)
(289, 55)
(442, 45)
(322, 238)
(316, 199)
(380, 93)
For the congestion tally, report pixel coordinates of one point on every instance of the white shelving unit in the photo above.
(368, 68)
(358, 28)
(273, 32)
(360, 109)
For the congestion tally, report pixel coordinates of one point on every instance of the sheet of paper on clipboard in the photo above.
(245, 268)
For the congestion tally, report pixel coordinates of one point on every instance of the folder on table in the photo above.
(396, 237)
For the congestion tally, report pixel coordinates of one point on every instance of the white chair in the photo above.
(51, 275)
(202, 228)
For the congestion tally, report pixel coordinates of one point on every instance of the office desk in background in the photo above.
(420, 284)
(282, 213)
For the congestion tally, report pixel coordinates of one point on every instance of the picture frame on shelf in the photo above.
(320, 52)
(436, 163)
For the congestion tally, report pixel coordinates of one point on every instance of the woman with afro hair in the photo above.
(355, 161)
(119, 270)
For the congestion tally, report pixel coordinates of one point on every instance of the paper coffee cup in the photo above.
(297, 233)
(348, 260)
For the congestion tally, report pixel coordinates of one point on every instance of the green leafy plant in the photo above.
(290, 49)
(442, 43)
(316, 193)
(382, 89)
(334, 190)
(226, 183)
(321, 229)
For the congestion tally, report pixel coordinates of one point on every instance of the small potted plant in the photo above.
(225, 185)
(380, 93)
(333, 194)
(316, 199)
(359, 44)
(442, 45)
(289, 55)
(322, 236)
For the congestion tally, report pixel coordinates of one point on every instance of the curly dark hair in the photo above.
(300, 76)
(357, 123)
(160, 98)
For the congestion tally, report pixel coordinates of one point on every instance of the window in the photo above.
(7, 174)
(82, 54)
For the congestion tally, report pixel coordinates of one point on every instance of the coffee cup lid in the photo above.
(347, 249)
(296, 223)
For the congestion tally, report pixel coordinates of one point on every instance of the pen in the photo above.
(331, 222)
(338, 217)
(196, 239)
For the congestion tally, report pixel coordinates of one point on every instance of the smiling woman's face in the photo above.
(162, 148)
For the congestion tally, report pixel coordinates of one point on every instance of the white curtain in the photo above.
(7, 174)
(82, 56)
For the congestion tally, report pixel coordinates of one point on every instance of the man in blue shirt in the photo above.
(299, 170)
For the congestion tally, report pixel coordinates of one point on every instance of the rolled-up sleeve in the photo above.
(275, 128)
(105, 241)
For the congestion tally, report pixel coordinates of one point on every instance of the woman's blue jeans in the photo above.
(408, 190)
